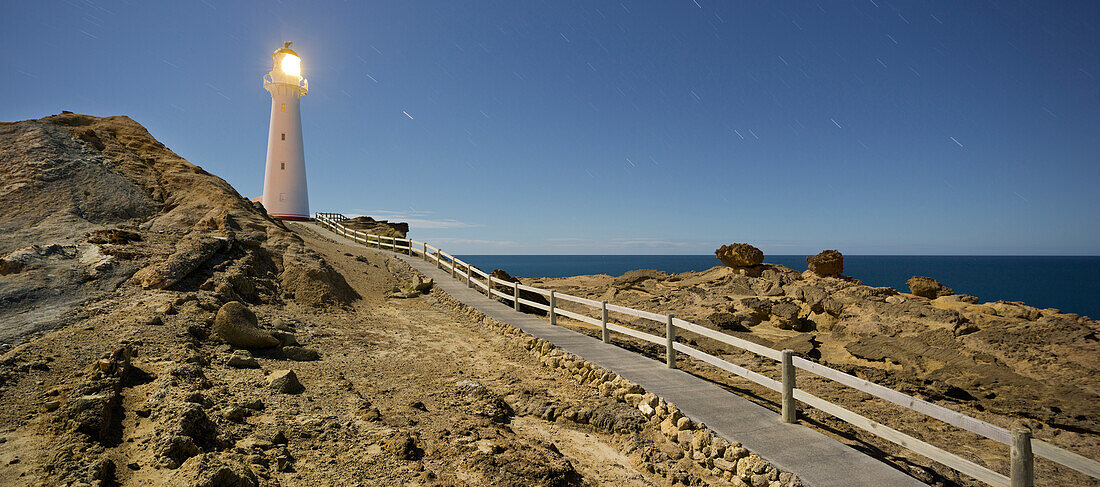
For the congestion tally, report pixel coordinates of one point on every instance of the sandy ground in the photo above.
(390, 369)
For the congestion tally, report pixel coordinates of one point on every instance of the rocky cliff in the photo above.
(96, 205)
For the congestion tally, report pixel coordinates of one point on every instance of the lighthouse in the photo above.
(285, 193)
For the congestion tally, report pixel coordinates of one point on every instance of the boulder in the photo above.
(285, 381)
(827, 263)
(926, 287)
(236, 324)
(739, 255)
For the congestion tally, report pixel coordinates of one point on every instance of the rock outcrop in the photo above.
(828, 263)
(377, 227)
(190, 254)
(926, 287)
(127, 211)
(740, 255)
(638, 276)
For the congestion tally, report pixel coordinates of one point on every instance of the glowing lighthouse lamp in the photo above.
(285, 193)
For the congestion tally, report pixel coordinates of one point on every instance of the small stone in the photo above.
(300, 354)
(242, 361)
(279, 438)
(684, 438)
(52, 405)
(684, 423)
(286, 339)
(372, 414)
(285, 381)
(236, 413)
(281, 325)
(403, 447)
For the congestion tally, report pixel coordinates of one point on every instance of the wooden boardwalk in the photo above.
(815, 458)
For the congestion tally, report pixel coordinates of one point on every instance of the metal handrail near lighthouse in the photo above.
(1022, 447)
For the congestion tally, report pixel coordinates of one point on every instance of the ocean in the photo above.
(1071, 284)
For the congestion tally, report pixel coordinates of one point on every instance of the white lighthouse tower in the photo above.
(285, 193)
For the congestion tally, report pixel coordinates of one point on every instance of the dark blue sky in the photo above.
(874, 127)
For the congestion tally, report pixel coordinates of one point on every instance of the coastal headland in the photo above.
(156, 327)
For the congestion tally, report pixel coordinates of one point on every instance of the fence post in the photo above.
(454, 272)
(790, 413)
(424, 254)
(670, 339)
(1022, 469)
(469, 283)
(606, 335)
(410, 245)
(553, 304)
(515, 295)
(489, 288)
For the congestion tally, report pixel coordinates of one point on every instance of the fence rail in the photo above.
(1022, 446)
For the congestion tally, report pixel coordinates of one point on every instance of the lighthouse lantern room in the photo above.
(285, 193)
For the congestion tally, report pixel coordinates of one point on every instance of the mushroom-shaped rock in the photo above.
(285, 381)
(827, 263)
(926, 287)
(739, 255)
(236, 324)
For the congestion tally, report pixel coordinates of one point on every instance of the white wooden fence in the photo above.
(1022, 447)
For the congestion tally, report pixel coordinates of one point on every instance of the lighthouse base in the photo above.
(297, 218)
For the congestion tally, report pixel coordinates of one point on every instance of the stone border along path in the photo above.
(816, 459)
